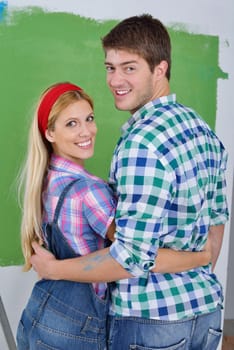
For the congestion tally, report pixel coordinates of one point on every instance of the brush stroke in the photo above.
(3, 5)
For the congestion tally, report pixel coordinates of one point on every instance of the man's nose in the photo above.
(115, 79)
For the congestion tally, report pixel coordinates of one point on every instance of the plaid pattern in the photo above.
(168, 173)
(87, 211)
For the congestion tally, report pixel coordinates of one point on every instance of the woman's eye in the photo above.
(90, 118)
(71, 123)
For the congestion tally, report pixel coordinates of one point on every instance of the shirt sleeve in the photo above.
(219, 210)
(99, 207)
(145, 190)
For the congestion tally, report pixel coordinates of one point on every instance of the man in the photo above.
(168, 173)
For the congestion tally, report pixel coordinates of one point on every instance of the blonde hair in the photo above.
(34, 170)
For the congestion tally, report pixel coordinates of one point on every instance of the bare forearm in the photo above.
(95, 267)
(171, 261)
(101, 267)
(216, 237)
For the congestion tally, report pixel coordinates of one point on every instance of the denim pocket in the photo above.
(213, 339)
(74, 344)
(179, 346)
(21, 338)
(42, 346)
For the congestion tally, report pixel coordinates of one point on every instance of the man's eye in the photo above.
(130, 69)
(109, 68)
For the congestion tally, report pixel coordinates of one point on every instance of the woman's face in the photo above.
(74, 132)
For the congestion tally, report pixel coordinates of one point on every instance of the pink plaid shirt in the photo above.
(87, 211)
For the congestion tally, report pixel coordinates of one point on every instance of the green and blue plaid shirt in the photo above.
(168, 173)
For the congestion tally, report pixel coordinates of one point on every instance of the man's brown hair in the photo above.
(143, 35)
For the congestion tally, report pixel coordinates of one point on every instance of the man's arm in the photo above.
(101, 267)
(216, 238)
(172, 261)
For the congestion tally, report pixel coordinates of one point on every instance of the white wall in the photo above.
(213, 17)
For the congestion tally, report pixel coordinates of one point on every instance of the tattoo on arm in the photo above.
(92, 262)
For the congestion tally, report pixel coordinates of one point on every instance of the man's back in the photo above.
(170, 182)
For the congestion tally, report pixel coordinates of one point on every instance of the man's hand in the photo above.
(216, 237)
(208, 250)
(42, 261)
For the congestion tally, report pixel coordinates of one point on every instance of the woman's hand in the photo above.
(42, 260)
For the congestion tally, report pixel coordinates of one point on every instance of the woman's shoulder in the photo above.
(84, 185)
(87, 184)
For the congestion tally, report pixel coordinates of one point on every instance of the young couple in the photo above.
(165, 196)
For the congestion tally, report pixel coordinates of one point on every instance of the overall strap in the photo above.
(61, 199)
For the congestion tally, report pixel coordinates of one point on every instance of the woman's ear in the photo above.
(49, 135)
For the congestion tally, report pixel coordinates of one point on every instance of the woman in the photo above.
(71, 212)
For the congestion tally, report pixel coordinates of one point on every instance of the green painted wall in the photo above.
(39, 48)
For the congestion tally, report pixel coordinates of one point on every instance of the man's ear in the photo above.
(161, 69)
(49, 135)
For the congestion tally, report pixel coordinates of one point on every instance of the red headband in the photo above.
(48, 101)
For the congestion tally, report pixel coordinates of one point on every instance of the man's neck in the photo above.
(162, 89)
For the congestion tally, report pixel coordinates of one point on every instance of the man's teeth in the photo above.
(122, 92)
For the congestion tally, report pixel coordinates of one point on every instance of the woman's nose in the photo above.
(84, 130)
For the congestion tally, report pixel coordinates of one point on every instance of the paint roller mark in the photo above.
(46, 53)
(196, 71)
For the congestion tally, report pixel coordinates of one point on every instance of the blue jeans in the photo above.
(63, 315)
(198, 333)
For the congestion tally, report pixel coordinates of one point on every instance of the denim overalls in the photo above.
(63, 315)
